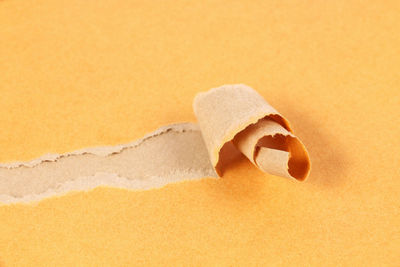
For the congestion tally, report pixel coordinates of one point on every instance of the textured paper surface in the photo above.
(73, 73)
(172, 153)
(236, 114)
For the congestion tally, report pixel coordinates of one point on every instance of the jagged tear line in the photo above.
(193, 168)
(103, 150)
(85, 184)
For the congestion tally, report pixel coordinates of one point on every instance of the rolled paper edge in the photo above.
(217, 152)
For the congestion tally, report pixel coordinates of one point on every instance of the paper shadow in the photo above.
(328, 158)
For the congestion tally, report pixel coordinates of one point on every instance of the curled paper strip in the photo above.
(238, 115)
(232, 120)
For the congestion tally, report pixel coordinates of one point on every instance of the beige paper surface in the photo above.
(238, 114)
(233, 119)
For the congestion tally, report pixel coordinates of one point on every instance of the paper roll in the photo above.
(238, 115)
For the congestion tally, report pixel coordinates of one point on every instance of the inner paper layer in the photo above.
(170, 154)
(233, 119)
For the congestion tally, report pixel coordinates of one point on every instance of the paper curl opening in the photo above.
(235, 118)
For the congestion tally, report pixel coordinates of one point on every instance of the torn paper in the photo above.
(238, 115)
(233, 120)
(170, 154)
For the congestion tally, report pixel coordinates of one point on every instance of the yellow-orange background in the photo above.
(75, 74)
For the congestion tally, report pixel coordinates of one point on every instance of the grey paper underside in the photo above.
(172, 153)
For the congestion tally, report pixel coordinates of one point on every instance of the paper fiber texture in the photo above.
(170, 154)
(236, 113)
(232, 118)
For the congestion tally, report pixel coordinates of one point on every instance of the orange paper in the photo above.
(77, 74)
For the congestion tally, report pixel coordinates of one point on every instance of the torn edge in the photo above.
(103, 150)
(190, 166)
(85, 184)
(229, 111)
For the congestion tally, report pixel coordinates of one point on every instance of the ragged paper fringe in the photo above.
(233, 119)
(236, 118)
